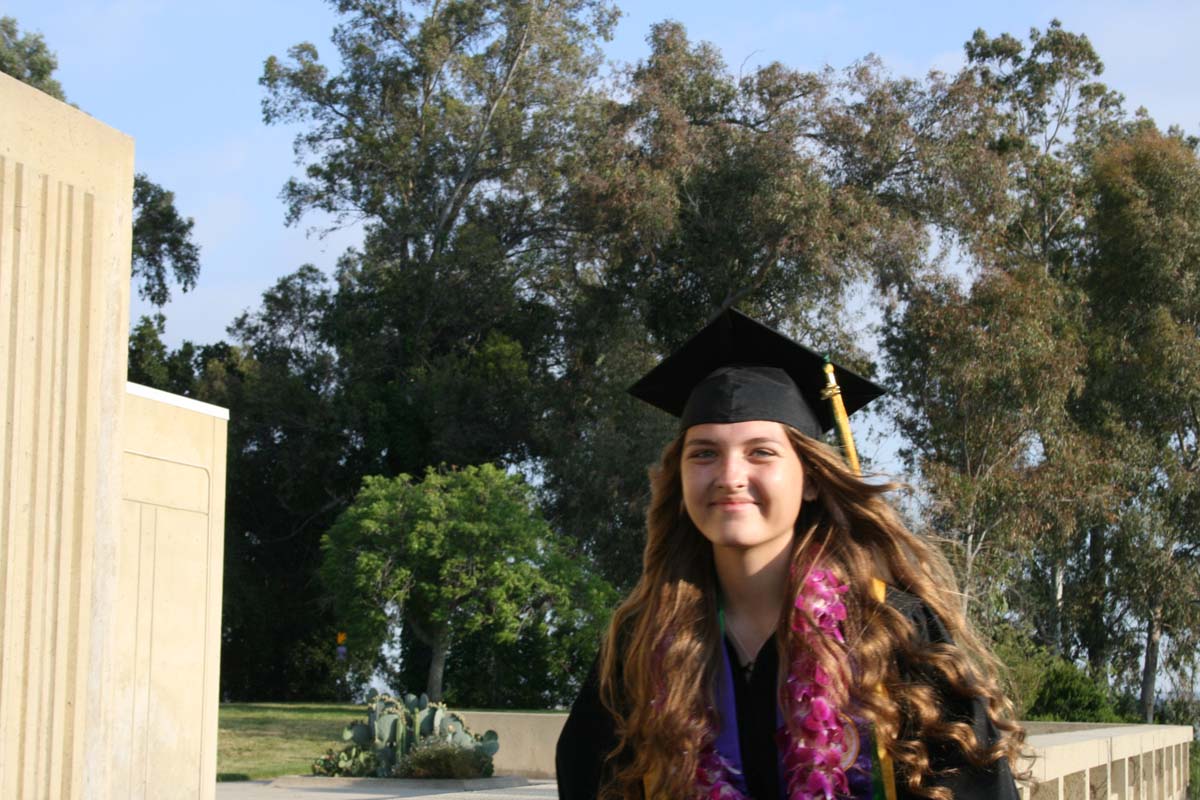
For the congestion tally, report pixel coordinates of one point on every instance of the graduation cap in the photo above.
(737, 369)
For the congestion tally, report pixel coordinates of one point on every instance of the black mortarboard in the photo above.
(736, 369)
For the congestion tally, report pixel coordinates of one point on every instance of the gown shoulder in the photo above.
(950, 767)
(587, 737)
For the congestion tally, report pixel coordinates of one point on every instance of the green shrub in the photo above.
(1026, 665)
(433, 758)
(1068, 694)
(352, 762)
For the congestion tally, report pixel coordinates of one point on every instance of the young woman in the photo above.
(788, 637)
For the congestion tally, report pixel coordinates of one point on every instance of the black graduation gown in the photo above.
(588, 733)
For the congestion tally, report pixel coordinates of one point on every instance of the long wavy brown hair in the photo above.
(661, 657)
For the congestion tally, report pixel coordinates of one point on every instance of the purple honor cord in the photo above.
(727, 743)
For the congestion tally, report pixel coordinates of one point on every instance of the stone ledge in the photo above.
(399, 784)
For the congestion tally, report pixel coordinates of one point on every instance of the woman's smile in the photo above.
(734, 504)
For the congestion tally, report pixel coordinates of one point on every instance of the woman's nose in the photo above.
(731, 472)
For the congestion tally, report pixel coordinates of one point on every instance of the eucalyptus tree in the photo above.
(1043, 389)
(441, 128)
(444, 132)
(784, 192)
(989, 360)
(1144, 286)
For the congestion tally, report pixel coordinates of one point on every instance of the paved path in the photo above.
(350, 789)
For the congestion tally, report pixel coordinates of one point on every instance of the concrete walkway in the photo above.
(307, 788)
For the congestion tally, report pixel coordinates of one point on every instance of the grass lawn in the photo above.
(266, 740)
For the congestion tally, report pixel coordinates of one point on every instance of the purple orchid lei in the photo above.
(813, 758)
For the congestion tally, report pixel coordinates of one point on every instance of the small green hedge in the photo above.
(1068, 694)
(444, 760)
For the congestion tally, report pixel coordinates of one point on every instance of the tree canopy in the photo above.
(445, 557)
(1015, 250)
(163, 248)
(27, 58)
(537, 239)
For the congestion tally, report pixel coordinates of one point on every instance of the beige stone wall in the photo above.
(169, 595)
(65, 225)
(527, 741)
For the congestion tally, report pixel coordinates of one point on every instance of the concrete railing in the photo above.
(1126, 762)
(1070, 762)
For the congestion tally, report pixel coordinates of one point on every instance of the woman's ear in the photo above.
(809, 494)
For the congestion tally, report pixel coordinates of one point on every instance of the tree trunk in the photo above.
(1056, 620)
(968, 576)
(1096, 633)
(437, 666)
(1150, 667)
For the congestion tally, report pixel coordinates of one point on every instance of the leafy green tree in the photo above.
(1030, 388)
(982, 377)
(1068, 694)
(445, 132)
(987, 371)
(457, 553)
(28, 59)
(163, 248)
(162, 238)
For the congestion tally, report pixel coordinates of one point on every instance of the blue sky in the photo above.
(181, 78)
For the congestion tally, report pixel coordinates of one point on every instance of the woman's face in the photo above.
(742, 483)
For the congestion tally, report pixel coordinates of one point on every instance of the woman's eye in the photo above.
(762, 452)
(701, 454)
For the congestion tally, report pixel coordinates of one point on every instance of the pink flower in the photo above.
(819, 784)
(822, 712)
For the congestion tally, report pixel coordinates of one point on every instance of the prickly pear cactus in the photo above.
(489, 743)
(394, 729)
(357, 732)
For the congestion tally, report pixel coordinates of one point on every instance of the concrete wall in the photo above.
(526, 740)
(1128, 762)
(169, 594)
(66, 184)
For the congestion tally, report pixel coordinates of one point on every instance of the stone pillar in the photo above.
(66, 187)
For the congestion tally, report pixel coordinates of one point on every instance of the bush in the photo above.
(1068, 694)
(352, 762)
(1026, 666)
(439, 759)
(394, 729)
